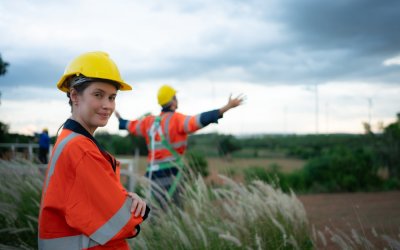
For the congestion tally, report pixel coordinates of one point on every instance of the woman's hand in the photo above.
(138, 206)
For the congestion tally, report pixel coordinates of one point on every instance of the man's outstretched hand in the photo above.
(233, 103)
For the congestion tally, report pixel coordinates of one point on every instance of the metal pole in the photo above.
(316, 108)
(30, 152)
(369, 110)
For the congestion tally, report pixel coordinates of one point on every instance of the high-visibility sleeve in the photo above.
(97, 205)
(141, 126)
(185, 124)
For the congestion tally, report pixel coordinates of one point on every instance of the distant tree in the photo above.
(3, 69)
(3, 131)
(3, 66)
(227, 145)
(389, 148)
(121, 145)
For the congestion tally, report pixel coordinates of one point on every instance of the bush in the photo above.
(273, 176)
(197, 162)
(391, 184)
(342, 169)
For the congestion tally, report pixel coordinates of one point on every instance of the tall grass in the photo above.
(233, 216)
(20, 192)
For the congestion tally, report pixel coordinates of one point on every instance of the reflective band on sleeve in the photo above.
(55, 157)
(77, 242)
(137, 128)
(198, 123)
(186, 124)
(114, 225)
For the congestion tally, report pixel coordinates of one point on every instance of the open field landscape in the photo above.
(369, 215)
(235, 167)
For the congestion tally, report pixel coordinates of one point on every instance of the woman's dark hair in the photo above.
(79, 88)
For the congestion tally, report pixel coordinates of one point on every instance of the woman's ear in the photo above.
(74, 96)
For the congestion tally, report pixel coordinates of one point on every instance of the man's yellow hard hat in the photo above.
(92, 65)
(165, 94)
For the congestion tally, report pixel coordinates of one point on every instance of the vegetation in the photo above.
(231, 216)
(20, 192)
(197, 162)
(263, 217)
(121, 145)
(3, 66)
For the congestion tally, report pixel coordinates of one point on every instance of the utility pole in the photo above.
(285, 120)
(316, 108)
(327, 116)
(369, 110)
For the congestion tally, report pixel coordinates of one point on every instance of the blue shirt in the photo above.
(44, 140)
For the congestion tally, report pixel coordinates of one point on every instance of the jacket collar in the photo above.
(78, 128)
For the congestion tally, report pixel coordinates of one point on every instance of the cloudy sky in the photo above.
(305, 66)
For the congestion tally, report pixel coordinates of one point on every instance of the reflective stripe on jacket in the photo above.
(175, 127)
(84, 205)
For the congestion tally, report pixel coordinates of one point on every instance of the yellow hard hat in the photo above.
(165, 94)
(92, 65)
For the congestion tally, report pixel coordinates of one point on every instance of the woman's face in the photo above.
(93, 107)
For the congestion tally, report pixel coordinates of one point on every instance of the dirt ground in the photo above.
(372, 215)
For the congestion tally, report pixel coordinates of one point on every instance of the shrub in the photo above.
(273, 176)
(197, 162)
(342, 169)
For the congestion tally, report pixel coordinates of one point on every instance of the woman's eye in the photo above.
(112, 98)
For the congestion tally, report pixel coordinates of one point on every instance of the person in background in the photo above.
(44, 145)
(84, 205)
(166, 136)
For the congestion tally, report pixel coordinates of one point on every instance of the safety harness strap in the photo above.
(178, 158)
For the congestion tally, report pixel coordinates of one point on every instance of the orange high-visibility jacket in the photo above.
(84, 205)
(175, 128)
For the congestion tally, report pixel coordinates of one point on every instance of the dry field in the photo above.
(234, 168)
(372, 215)
(219, 165)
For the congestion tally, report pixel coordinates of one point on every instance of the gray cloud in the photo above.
(317, 41)
(35, 72)
(325, 41)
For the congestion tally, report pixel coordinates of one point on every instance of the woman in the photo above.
(84, 205)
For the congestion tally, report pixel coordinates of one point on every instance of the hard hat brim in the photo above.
(62, 86)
